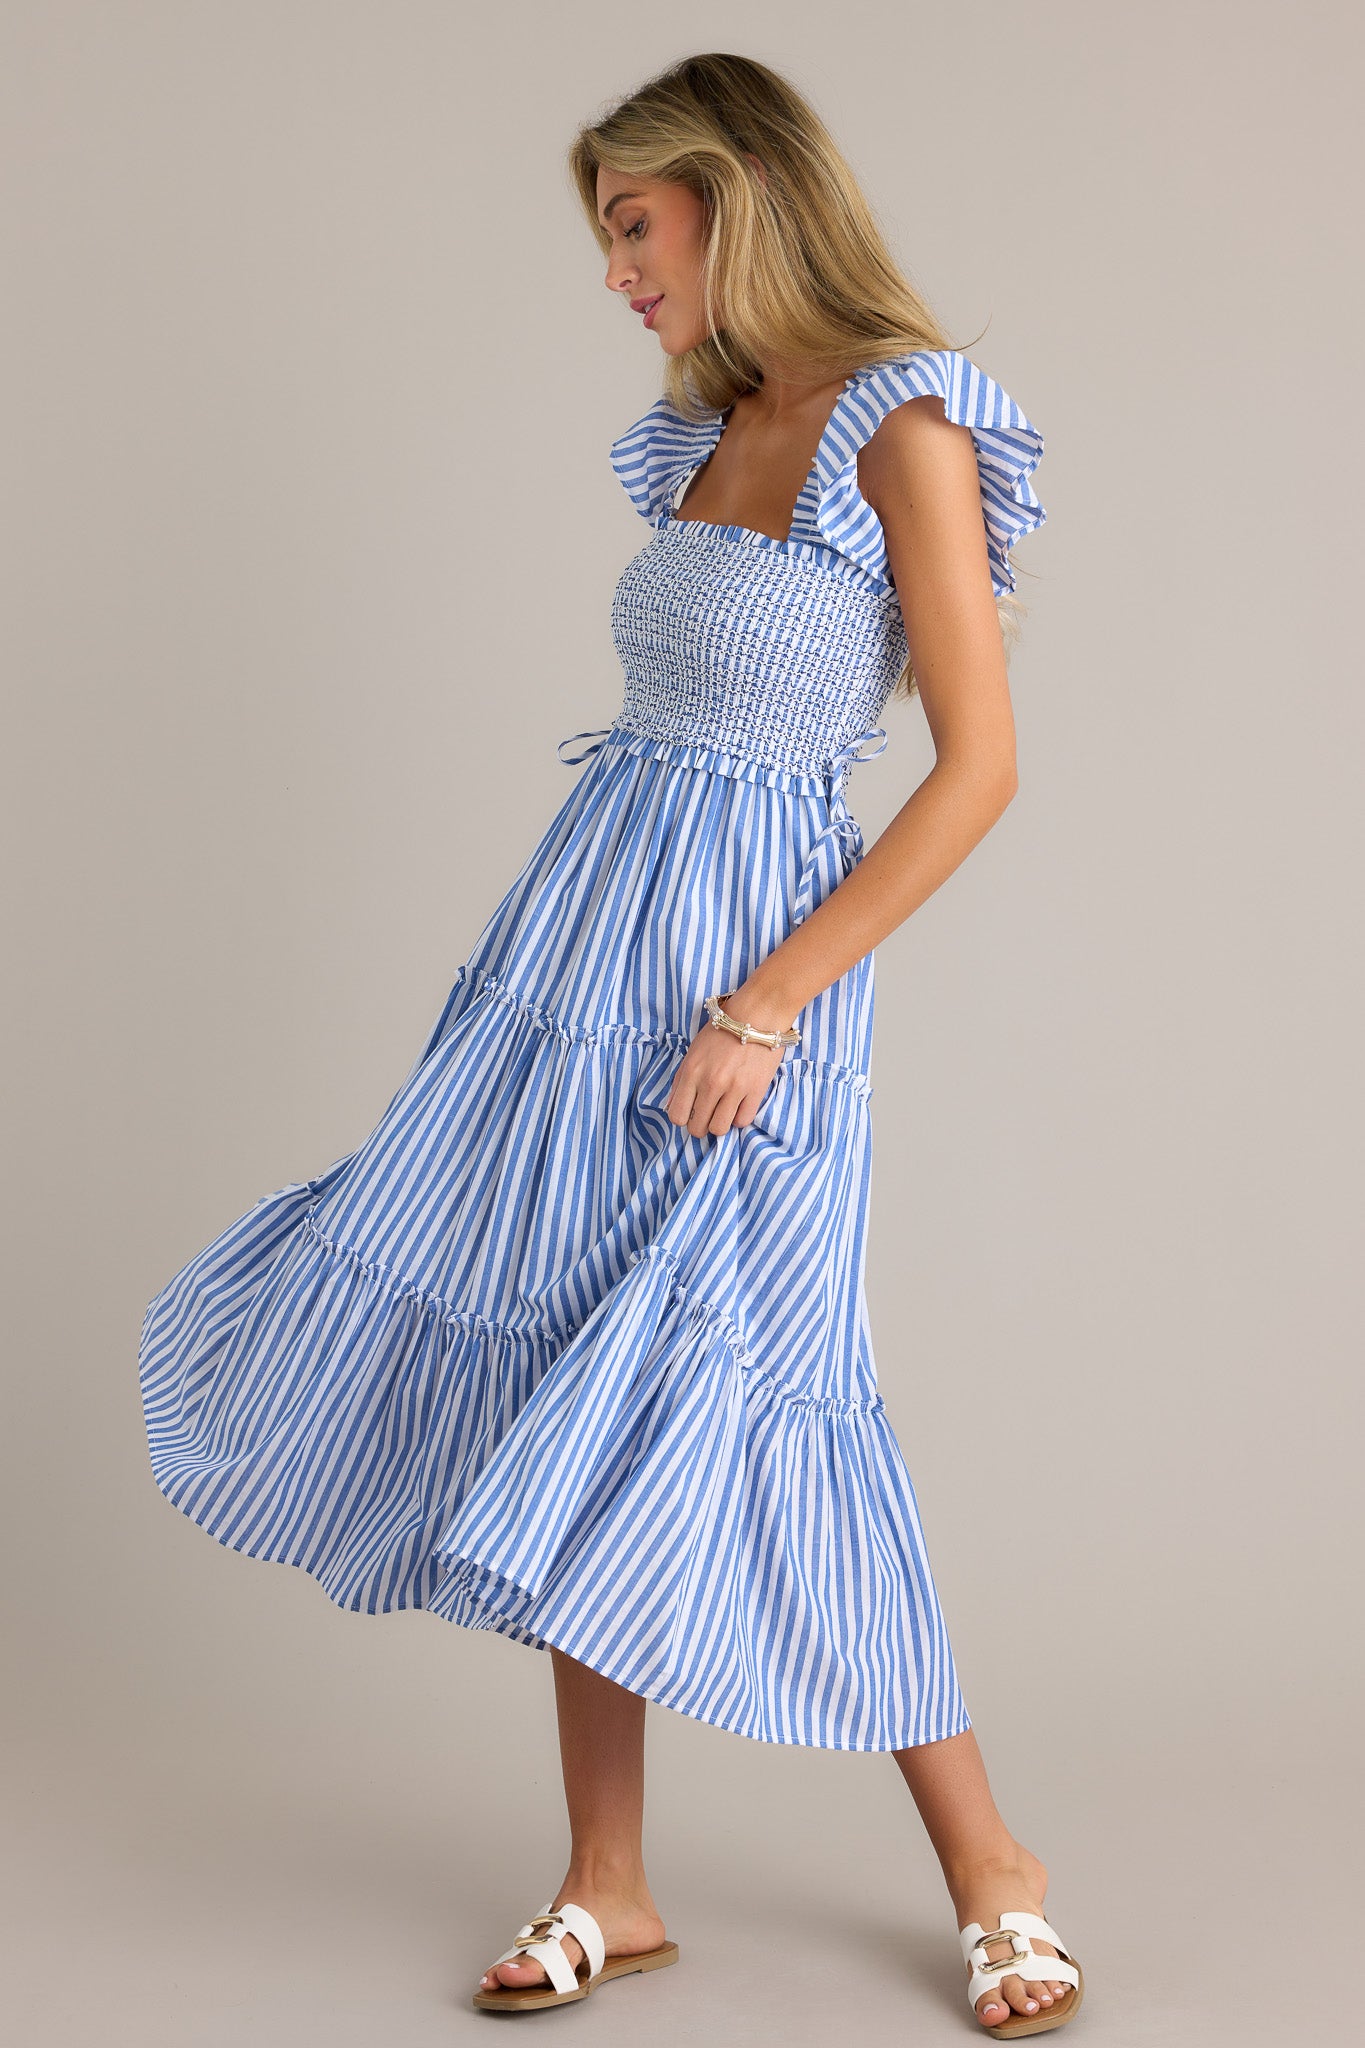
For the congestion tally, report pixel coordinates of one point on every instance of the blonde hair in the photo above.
(799, 261)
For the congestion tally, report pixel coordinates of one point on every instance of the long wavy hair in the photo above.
(798, 262)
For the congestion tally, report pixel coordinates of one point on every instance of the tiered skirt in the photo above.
(539, 1360)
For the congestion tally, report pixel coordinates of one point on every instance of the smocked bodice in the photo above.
(786, 651)
(741, 648)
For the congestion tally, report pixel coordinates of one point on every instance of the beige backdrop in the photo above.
(310, 539)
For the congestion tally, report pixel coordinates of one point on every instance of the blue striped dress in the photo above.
(533, 1357)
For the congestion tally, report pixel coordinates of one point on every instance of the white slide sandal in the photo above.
(542, 1940)
(1016, 1928)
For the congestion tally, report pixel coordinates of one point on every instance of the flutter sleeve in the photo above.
(1008, 449)
(652, 457)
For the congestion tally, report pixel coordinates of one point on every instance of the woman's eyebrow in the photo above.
(616, 201)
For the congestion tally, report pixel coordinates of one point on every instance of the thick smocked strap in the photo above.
(598, 736)
(837, 849)
(1008, 449)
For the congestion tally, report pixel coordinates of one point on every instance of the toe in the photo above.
(1016, 1991)
(514, 1973)
(520, 1973)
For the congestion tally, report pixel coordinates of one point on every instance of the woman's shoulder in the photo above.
(1008, 446)
(970, 396)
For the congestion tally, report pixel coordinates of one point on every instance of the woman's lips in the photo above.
(650, 310)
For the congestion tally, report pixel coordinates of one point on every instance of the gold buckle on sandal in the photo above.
(538, 1920)
(1018, 1942)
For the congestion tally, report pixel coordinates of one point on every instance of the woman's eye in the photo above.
(637, 229)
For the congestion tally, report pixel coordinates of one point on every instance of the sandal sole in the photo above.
(511, 1999)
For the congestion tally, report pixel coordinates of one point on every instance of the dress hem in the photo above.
(491, 1624)
(575, 1476)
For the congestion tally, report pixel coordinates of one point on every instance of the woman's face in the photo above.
(656, 231)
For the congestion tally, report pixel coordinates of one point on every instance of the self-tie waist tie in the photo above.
(839, 847)
(597, 736)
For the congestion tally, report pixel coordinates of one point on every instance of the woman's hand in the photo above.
(722, 1081)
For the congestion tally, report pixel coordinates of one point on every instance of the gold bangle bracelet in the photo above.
(748, 1032)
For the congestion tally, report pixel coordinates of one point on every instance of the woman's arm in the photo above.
(919, 474)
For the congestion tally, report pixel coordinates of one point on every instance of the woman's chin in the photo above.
(670, 343)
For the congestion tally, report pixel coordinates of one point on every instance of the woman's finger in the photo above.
(703, 1112)
(724, 1113)
(682, 1098)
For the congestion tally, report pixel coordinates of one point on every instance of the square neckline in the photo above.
(753, 534)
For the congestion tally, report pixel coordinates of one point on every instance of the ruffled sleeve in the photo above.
(652, 457)
(1008, 448)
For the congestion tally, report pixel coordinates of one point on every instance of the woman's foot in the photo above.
(1012, 1882)
(628, 1920)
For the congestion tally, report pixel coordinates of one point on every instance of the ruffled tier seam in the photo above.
(487, 980)
(553, 1340)
(426, 1299)
(700, 1306)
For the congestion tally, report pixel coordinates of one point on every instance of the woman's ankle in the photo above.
(608, 1873)
(967, 1860)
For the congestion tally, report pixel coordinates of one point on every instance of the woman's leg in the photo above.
(602, 1755)
(987, 1871)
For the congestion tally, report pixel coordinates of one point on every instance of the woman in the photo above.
(575, 1346)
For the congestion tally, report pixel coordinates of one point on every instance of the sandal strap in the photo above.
(579, 1922)
(1020, 1921)
(1016, 1928)
(542, 1939)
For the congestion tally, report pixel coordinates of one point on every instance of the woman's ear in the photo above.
(758, 166)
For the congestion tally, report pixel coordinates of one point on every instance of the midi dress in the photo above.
(532, 1356)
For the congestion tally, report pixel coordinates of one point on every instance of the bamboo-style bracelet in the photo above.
(748, 1032)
